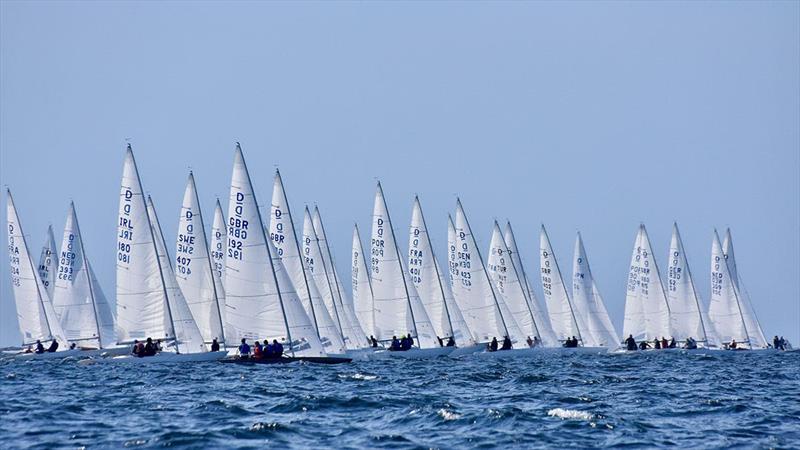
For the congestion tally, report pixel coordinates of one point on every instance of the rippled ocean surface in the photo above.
(731, 399)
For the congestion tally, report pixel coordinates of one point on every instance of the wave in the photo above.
(570, 414)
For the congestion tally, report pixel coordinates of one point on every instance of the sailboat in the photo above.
(48, 262)
(35, 313)
(197, 278)
(689, 318)
(484, 309)
(218, 245)
(85, 314)
(283, 236)
(563, 316)
(435, 292)
(354, 336)
(756, 333)
(261, 302)
(598, 331)
(539, 313)
(398, 308)
(150, 303)
(647, 312)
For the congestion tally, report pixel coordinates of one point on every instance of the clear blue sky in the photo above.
(584, 116)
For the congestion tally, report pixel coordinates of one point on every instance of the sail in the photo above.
(724, 308)
(563, 316)
(48, 262)
(354, 336)
(35, 314)
(218, 244)
(599, 331)
(283, 236)
(398, 308)
(187, 335)
(260, 300)
(647, 314)
(508, 284)
(434, 290)
(540, 315)
(485, 312)
(197, 278)
(141, 297)
(757, 338)
(79, 302)
(362, 288)
(684, 303)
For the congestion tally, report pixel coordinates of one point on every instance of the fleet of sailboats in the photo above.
(251, 279)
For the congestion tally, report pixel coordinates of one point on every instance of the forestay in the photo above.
(85, 314)
(684, 303)
(48, 262)
(563, 317)
(754, 330)
(362, 287)
(283, 236)
(256, 308)
(724, 308)
(647, 314)
(187, 335)
(539, 312)
(194, 269)
(434, 291)
(598, 330)
(35, 314)
(398, 308)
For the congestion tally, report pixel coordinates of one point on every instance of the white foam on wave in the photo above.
(448, 415)
(359, 376)
(571, 414)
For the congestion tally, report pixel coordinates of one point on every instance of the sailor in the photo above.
(451, 342)
(149, 348)
(664, 342)
(529, 341)
(373, 341)
(536, 341)
(277, 349)
(158, 346)
(574, 342)
(244, 349)
(72, 346)
(506, 343)
(493, 345)
(135, 349)
(441, 341)
(39, 346)
(672, 343)
(257, 350)
(733, 344)
(776, 343)
(643, 345)
(782, 343)
(28, 350)
(214, 345)
(406, 343)
(630, 343)
(568, 342)
(657, 344)
(691, 344)
(395, 344)
(53, 347)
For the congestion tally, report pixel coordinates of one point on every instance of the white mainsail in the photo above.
(685, 307)
(459, 321)
(85, 314)
(48, 262)
(354, 336)
(187, 335)
(218, 244)
(598, 331)
(725, 309)
(508, 284)
(563, 317)
(283, 236)
(198, 280)
(260, 300)
(540, 315)
(435, 292)
(35, 314)
(141, 294)
(363, 301)
(398, 308)
(757, 338)
(484, 310)
(647, 314)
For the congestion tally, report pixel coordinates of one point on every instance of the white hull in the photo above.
(416, 353)
(464, 351)
(694, 351)
(46, 355)
(164, 357)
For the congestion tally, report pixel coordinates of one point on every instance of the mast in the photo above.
(436, 268)
(210, 266)
(158, 260)
(88, 275)
(400, 262)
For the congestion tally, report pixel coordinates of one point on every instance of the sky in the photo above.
(585, 116)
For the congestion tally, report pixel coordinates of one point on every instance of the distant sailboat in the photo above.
(647, 314)
(37, 318)
(598, 330)
(539, 312)
(686, 311)
(48, 262)
(261, 302)
(284, 237)
(86, 316)
(198, 279)
(433, 289)
(563, 316)
(757, 338)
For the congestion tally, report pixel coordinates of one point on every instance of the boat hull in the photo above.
(46, 355)
(163, 358)
(465, 351)
(417, 353)
(288, 359)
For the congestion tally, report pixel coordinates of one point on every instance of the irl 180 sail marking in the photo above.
(125, 236)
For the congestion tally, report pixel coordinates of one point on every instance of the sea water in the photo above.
(651, 399)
